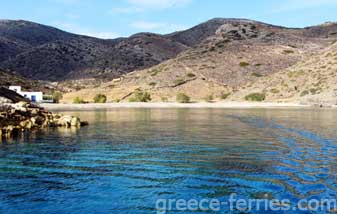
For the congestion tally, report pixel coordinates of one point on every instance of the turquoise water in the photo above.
(127, 159)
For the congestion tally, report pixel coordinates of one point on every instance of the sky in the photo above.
(120, 18)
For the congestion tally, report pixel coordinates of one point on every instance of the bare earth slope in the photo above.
(237, 53)
(313, 81)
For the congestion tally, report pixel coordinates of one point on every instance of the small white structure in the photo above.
(33, 96)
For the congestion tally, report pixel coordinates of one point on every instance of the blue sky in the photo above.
(115, 18)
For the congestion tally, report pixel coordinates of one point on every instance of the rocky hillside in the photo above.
(19, 36)
(313, 81)
(44, 53)
(232, 54)
(7, 79)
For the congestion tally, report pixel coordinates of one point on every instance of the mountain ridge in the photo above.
(218, 57)
(237, 54)
(38, 44)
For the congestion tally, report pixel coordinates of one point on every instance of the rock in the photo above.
(21, 106)
(27, 124)
(65, 121)
(84, 123)
(75, 121)
(34, 111)
(24, 116)
(33, 121)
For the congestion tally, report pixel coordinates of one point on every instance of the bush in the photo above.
(78, 100)
(255, 97)
(244, 64)
(315, 90)
(304, 93)
(140, 97)
(209, 98)
(154, 72)
(224, 96)
(288, 51)
(152, 84)
(190, 75)
(183, 98)
(256, 74)
(275, 91)
(179, 82)
(164, 99)
(212, 48)
(57, 96)
(100, 98)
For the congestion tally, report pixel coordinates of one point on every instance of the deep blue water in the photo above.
(127, 159)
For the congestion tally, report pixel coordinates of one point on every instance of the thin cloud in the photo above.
(158, 27)
(74, 28)
(72, 16)
(155, 4)
(65, 1)
(136, 6)
(127, 10)
(293, 5)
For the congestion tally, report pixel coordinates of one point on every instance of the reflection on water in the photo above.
(126, 159)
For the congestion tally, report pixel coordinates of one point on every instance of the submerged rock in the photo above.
(24, 116)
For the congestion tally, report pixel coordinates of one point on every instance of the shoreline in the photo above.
(219, 105)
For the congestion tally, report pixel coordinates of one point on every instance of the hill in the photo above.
(232, 54)
(8, 79)
(311, 81)
(44, 53)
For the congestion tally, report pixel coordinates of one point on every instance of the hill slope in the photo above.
(313, 80)
(8, 79)
(44, 53)
(237, 53)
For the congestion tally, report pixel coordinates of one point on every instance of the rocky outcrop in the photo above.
(23, 116)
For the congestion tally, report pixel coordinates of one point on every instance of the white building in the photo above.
(33, 96)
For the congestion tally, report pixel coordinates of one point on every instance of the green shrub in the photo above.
(255, 74)
(140, 97)
(164, 99)
(154, 72)
(244, 64)
(275, 91)
(179, 82)
(212, 48)
(255, 97)
(190, 75)
(288, 51)
(152, 84)
(57, 96)
(315, 90)
(78, 100)
(100, 98)
(224, 95)
(304, 93)
(209, 98)
(183, 98)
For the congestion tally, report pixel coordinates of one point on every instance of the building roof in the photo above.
(11, 95)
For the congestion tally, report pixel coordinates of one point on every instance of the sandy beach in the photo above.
(93, 106)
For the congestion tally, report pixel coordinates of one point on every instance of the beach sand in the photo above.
(93, 106)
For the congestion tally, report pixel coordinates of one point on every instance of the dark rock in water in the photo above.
(84, 123)
(24, 116)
